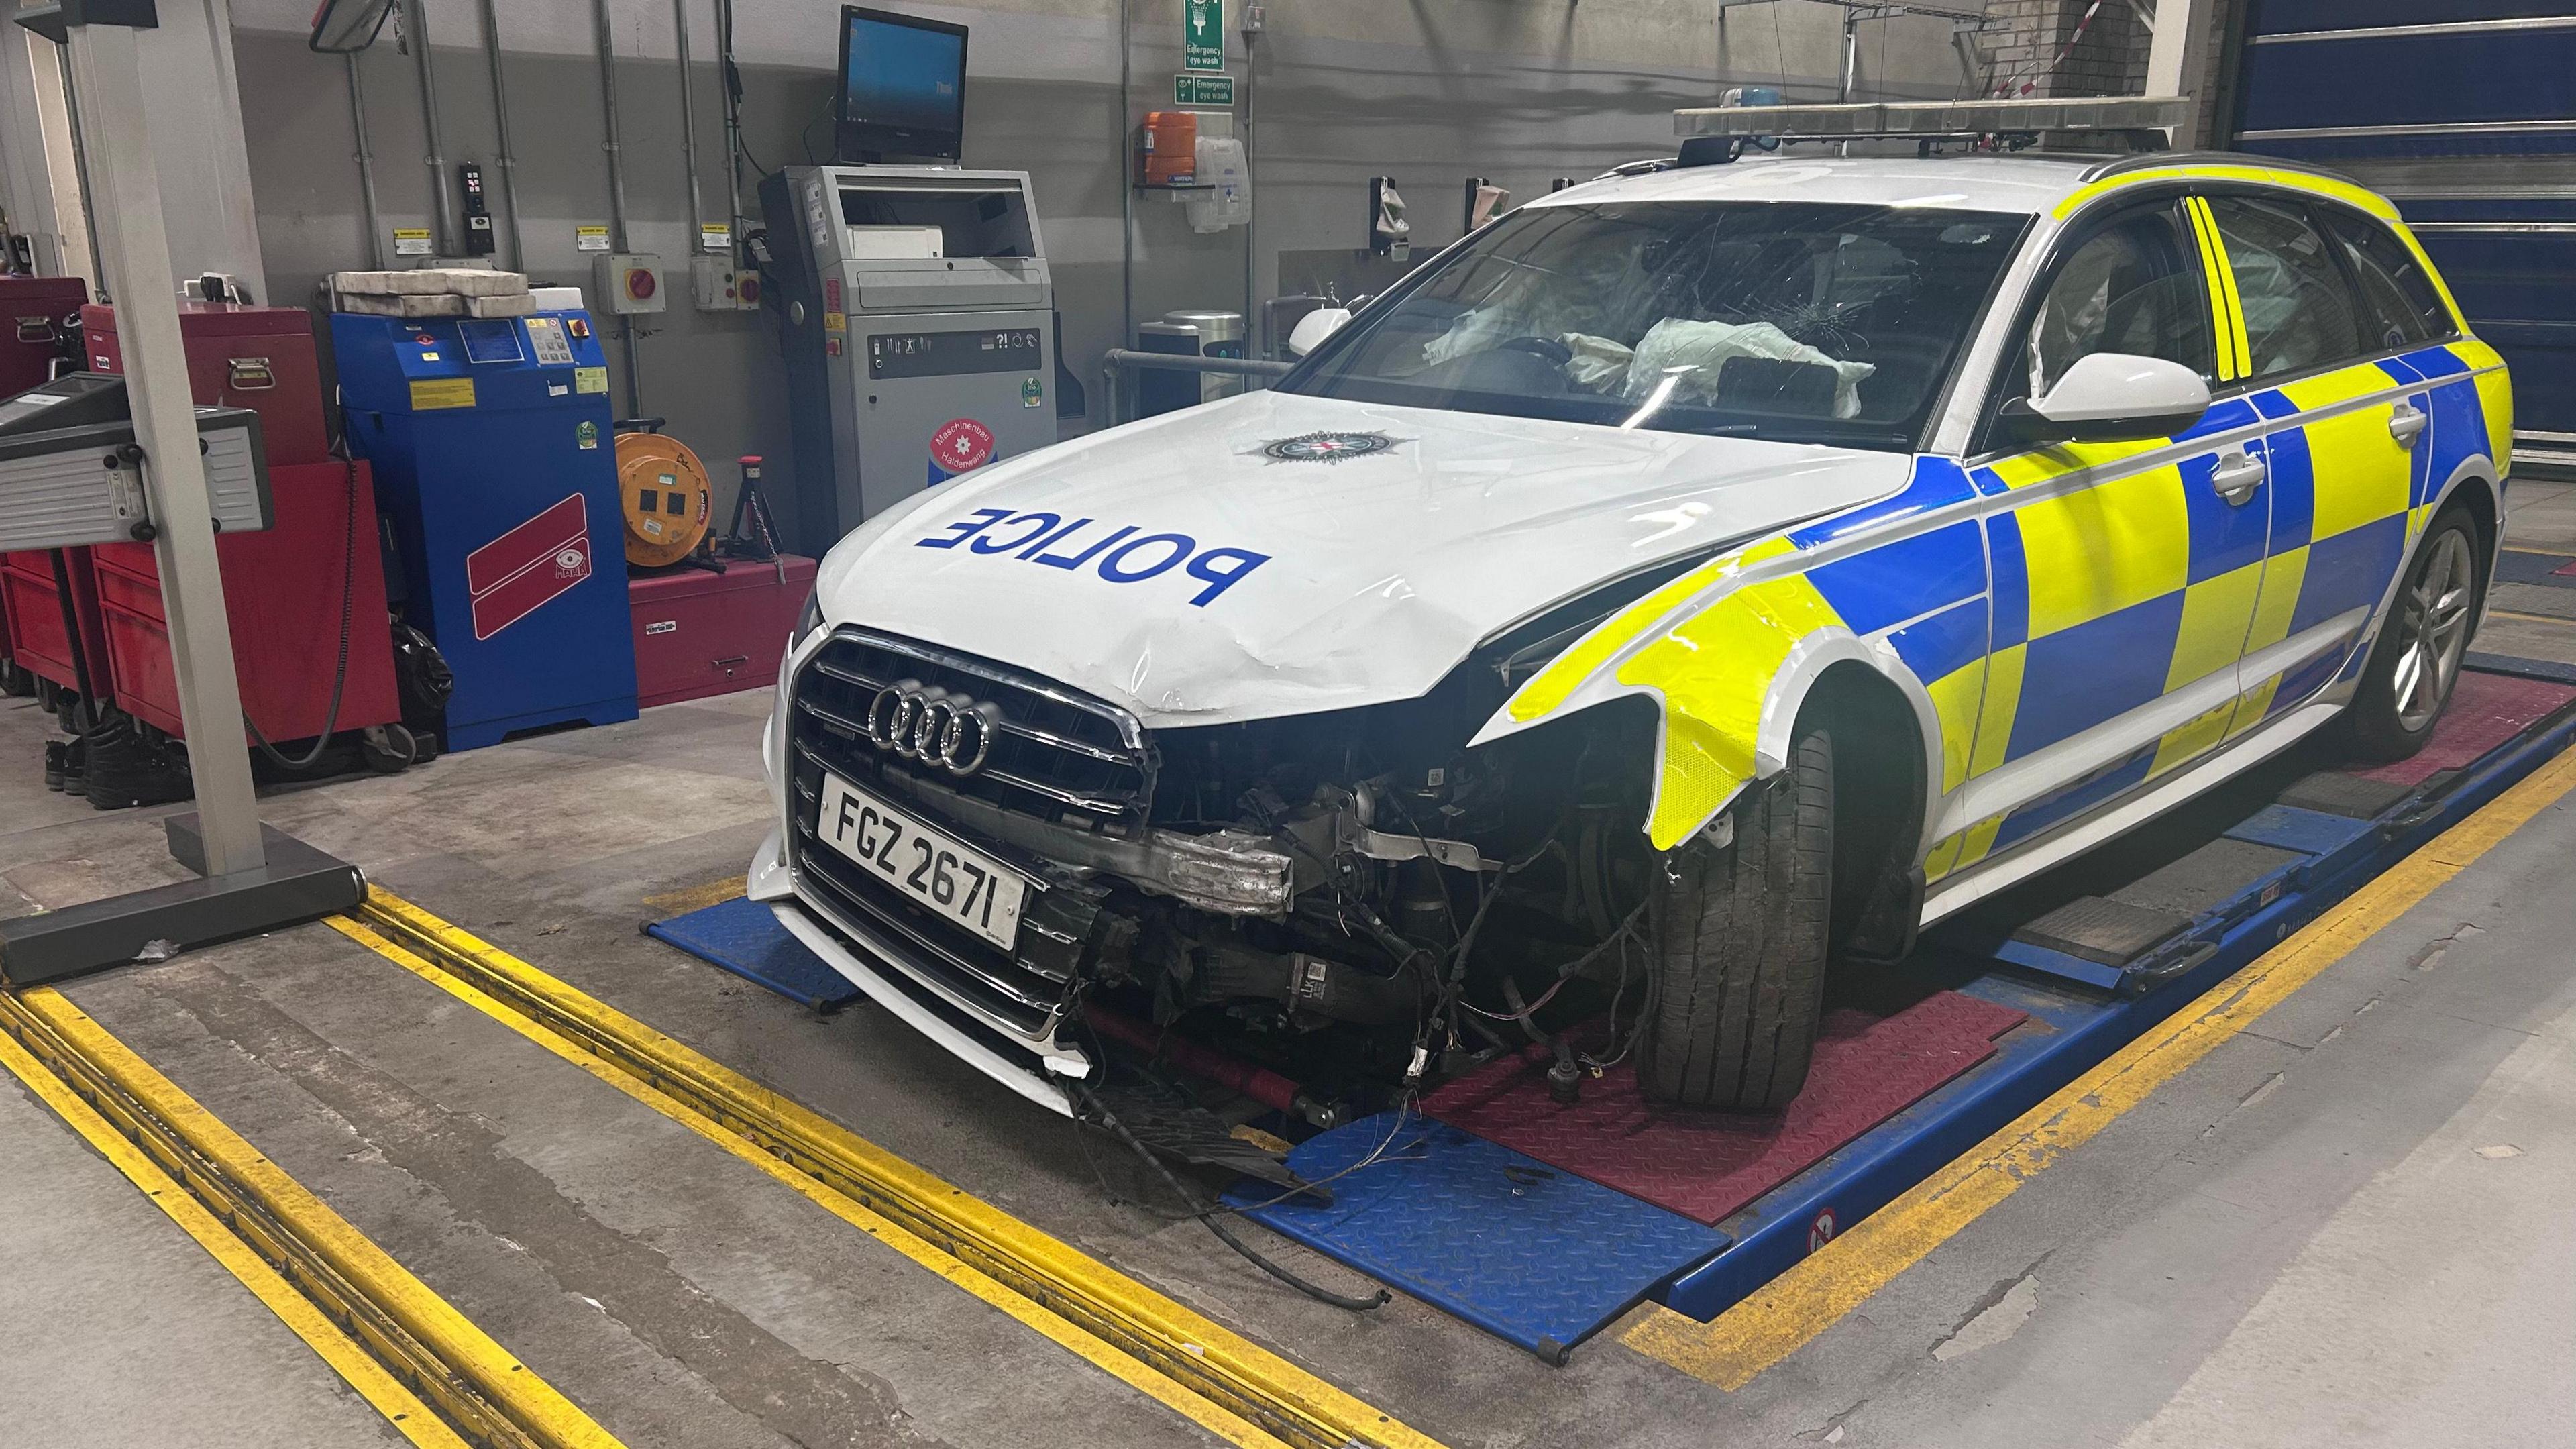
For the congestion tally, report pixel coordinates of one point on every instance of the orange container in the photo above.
(1167, 148)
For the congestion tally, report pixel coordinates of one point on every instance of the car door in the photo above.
(2125, 575)
(2339, 464)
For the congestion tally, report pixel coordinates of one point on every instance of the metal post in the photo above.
(1126, 181)
(80, 173)
(366, 166)
(137, 262)
(442, 187)
(689, 130)
(505, 158)
(617, 196)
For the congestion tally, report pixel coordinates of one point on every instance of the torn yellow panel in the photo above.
(1715, 672)
(1956, 697)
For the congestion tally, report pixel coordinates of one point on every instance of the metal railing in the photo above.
(1118, 362)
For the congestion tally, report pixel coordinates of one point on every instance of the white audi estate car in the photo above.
(1688, 585)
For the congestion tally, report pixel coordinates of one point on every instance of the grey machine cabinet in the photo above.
(906, 368)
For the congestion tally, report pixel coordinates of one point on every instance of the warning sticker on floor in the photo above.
(516, 574)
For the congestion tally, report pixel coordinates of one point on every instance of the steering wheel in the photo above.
(1556, 353)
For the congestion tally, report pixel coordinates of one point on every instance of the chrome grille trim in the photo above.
(1061, 758)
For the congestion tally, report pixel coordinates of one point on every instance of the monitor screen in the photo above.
(903, 86)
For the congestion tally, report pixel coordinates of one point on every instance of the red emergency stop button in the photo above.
(640, 283)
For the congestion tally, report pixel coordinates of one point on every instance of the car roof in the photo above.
(2031, 183)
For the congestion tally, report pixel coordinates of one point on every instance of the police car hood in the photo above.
(1277, 554)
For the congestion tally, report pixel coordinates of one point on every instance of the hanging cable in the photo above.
(1213, 1221)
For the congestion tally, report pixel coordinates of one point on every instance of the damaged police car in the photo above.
(1690, 583)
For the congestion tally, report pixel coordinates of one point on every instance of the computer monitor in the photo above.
(903, 87)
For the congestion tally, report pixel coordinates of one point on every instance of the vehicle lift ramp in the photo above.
(1542, 1222)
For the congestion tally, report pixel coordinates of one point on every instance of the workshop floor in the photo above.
(2350, 1224)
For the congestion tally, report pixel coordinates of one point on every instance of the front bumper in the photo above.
(881, 967)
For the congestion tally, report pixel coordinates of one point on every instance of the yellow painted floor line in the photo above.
(1811, 1297)
(336, 1348)
(1307, 1409)
(693, 898)
(2529, 618)
(534, 1412)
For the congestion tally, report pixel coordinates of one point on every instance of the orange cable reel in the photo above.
(665, 494)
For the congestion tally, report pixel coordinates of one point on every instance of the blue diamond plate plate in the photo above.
(743, 936)
(1513, 1246)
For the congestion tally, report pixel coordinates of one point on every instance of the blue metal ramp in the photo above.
(744, 937)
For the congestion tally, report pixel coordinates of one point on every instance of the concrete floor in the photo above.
(2351, 1225)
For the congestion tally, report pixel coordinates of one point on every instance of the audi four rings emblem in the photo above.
(932, 725)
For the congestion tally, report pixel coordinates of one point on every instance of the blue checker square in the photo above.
(2225, 536)
(2012, 581)
(2291, 480)
(1525, 1251)
(2095, 671)
(1898, 581)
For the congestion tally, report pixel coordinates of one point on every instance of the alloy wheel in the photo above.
(2433, 630)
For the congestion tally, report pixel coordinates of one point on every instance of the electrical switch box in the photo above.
(629, 282)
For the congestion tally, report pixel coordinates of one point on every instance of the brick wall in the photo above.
(2109, 60)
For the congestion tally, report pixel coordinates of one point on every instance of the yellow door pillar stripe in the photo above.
(1808, 1299)
(2226, 311)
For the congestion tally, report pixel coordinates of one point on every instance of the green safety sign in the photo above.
(1203, 34)
(1202, 90)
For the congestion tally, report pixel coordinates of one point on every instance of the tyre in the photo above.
(398, 752)
(1740, 934)
(2416, 661)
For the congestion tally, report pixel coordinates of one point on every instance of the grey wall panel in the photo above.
(1429, 91)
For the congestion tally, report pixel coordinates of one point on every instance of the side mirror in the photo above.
(1314, 327)
(2111, 397)
(345, 27)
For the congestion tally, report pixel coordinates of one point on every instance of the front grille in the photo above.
(1058, 756)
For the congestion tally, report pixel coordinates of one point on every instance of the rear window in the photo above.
(2404, 305)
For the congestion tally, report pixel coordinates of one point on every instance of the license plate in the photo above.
(952, 879)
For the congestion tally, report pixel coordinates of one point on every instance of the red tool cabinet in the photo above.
(282, 593)
(709, 631)
(261, 358)
(35, 315)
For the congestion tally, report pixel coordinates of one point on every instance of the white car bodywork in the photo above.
(1178, 569)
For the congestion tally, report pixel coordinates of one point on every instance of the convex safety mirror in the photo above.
(2111, 397)
(345, 27)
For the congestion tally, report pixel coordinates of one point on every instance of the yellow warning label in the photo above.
(836, 321)
(442, 392)
(590, 379)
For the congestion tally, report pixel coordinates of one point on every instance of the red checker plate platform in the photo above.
(1706, 1165)
(2485, 711)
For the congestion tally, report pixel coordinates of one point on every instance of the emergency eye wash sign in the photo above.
(1202, 34)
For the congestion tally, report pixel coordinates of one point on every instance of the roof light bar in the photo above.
(1935, 118)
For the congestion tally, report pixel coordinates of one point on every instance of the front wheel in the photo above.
(2416, 661)
(1740, 933)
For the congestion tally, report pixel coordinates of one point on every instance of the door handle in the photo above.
(2406, 423)
(2238, 477)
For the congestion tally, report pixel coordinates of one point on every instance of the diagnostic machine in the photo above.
(914, 303)
(495, 461)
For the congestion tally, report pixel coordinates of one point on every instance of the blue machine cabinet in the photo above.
(495, 460)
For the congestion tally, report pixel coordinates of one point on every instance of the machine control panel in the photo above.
(956, 354)
(546, 335)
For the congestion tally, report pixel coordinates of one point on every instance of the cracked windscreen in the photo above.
(1797, 322)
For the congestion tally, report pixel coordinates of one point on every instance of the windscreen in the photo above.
(904, 77)
(1797, 322)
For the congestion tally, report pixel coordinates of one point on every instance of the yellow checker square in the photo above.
(2362, 474)
(2283, 575)
(2214, 616)
(1955, 700)
(2495, 398)
(1995, 714)
(1944, 857)
(2193, 738)
(1714, 672)
(2252, 705)
(1978, 840)
(2098, 550)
